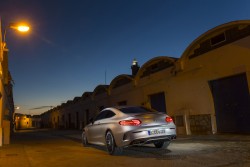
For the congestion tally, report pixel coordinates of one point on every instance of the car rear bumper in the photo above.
(152, 140)
(142, 136)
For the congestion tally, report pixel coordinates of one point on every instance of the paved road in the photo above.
(63, 149)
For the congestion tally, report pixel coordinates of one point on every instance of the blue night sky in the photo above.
(73, 42)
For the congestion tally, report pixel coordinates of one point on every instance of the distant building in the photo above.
(23, 121)
(36, 121)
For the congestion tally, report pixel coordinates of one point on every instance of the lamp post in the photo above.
(6, 95)
(16, 26)
(15, 119)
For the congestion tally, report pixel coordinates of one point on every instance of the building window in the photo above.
(122, 103)
(218, 39)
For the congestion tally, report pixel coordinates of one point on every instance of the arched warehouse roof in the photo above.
(154, 65)
(217, 37)
(120, 80)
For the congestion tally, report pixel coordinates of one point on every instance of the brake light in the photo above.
(168, 119)
(133, 122)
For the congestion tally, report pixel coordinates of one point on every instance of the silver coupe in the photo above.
(119, 127)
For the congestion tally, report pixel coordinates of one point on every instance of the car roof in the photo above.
(117, 108)
(121, 107)
(129, 106)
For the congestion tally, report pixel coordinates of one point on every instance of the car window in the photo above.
(109, 114)
(135, 110)
(104, 114)
(101, 115)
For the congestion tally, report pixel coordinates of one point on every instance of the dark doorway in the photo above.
(58, 123)
(232, 104)
(87, 117)
(69, 119)
(157, 102)
(77, 121)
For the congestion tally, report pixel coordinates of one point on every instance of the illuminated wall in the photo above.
(23, 121)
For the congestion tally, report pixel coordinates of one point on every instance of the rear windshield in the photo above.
(135, 110)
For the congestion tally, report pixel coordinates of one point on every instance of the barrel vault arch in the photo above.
(215, 38)
(120, 80)
(100, 89)
(168, 62)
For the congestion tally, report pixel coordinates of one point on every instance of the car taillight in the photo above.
(168, 119)
(133, 122)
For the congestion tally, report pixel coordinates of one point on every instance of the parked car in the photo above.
(119, 127)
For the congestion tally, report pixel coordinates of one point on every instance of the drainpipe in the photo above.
(187, 122)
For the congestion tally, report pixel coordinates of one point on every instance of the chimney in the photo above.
(135, 67)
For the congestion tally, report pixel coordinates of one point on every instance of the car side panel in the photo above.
(97, 131)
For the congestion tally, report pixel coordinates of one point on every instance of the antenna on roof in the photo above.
(105, 75)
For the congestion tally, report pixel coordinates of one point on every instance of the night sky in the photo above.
(73, 42)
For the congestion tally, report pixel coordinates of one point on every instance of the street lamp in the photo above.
(16, 26)
(14, 119)
(6, 97)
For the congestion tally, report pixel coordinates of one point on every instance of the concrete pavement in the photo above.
(15, 154)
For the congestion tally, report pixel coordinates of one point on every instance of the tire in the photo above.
(84, 140)
(162, 144)
(111, 146)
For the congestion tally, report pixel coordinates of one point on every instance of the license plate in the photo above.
(156, 131)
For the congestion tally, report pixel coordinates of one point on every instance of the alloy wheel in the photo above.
(110, 143)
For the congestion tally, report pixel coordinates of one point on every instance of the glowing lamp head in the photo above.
(19, 26)
(23, 28)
